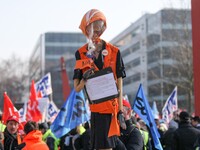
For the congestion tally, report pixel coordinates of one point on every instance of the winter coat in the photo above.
(34, 141)
(11, 141)
(131, 137)
(185, 137)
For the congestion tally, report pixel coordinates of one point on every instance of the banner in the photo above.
(44, 85)
(72, 114)
(142, 108)
(43, 104)
(52, 111)
(22, 113)
(33, 112)
(8, 109)
(170, 106)
(155, 111)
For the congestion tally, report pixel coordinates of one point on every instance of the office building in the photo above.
(148, 47)
(49, 49)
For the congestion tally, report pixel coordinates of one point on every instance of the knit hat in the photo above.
(184, 116)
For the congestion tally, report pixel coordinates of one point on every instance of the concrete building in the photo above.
(50, 47)
(147, 47)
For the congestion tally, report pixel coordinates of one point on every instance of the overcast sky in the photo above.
(22, 21)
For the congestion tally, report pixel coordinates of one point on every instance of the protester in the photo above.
(175, 120)
(101, 54)
(2, 126)
(167, 139)
(11, 138)
(196, 122)
(83, 141)
(78, 138)
(145, 134)
(161, 130)
(131, 136)
(1, 140)
(48, 137)
(33, 137)
(66, 140)
(186, 137)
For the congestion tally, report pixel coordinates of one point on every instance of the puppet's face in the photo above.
(95, 30)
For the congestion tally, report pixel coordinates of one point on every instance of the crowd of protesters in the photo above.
(182, 133)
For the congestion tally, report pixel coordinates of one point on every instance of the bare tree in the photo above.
(14, 78)
(175, 65)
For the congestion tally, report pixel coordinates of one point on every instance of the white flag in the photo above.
(52, 111)
(22, 113)
(44, 85)
(170, 106)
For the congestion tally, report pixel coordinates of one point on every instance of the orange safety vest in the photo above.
(107, 107)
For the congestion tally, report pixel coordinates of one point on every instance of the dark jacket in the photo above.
(1, 146)
(167, 139)
(10, 140)
(198, 127)
(185, 137)
(131, 137)
(66, 140)
(83, 141)
(119, 145)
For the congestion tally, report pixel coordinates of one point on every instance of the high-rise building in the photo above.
(151, 48)
(50, 47)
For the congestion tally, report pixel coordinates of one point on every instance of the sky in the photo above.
(22, 21)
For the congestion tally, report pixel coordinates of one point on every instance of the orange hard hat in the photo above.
(90, 17)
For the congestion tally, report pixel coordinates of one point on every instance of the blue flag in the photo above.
(72, 114)
(142, 108)
(155, 111)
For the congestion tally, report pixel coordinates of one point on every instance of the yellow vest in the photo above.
(145, 136)
(2, 127)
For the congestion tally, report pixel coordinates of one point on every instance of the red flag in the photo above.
(33, 112)
(8, 109)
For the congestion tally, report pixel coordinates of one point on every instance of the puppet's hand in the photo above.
(121, 120)
(88, 73)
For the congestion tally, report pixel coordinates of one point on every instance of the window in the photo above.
(132, 49)
(154, 73)
(153, 56)
(135, 32)
(133, 63)
(131, 79)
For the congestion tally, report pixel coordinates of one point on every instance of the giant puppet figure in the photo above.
(106, 116)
